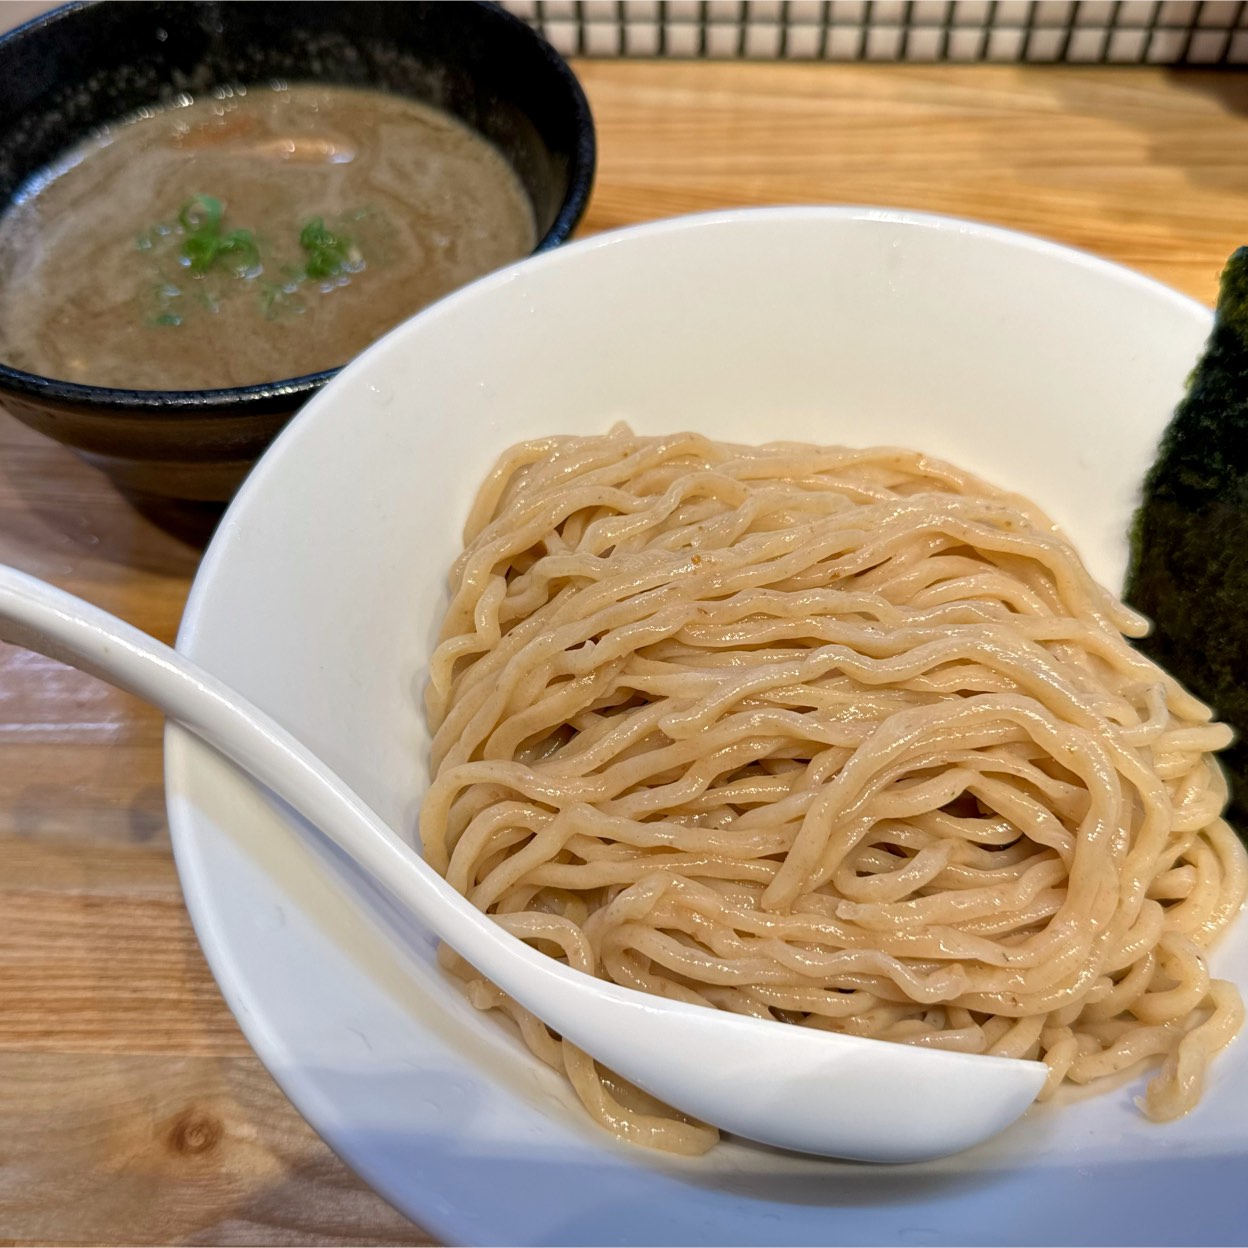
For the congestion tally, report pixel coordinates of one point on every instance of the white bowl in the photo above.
(1046, 370)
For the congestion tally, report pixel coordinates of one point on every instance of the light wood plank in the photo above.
(194, 1150)
(1142, 165)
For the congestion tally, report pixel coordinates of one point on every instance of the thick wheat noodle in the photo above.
(846, 739)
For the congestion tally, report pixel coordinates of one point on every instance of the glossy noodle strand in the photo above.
(846, 739)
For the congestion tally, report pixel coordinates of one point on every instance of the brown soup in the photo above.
(249, 235)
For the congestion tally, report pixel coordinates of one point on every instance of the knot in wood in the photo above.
(195, 1131)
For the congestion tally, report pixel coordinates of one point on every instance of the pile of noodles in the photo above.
(842, 738)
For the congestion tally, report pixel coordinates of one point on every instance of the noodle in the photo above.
(842, 738)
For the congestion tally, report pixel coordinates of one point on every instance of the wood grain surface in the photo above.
(131, 1109)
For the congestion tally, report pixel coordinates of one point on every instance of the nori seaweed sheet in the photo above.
(1189, 540)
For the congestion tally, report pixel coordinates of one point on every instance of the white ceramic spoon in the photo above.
(793, 1087)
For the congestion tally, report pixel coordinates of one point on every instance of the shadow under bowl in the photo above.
(179, 455)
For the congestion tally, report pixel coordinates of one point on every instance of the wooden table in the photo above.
(131, 1109)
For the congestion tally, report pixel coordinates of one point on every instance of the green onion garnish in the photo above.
(201, 214)
(329, 252)
(205, 245)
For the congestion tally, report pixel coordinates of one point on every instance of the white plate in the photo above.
(1044, 369)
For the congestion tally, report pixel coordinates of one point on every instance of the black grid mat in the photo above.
(1167, 32)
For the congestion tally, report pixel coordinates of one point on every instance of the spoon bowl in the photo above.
(812, 1091)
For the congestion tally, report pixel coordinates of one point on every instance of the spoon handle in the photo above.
(40, 617)
(820, 1092)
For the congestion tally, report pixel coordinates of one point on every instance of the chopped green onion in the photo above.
(328, 252)
(204, 244)
(240, 247)
(201, 213)
(199, 251)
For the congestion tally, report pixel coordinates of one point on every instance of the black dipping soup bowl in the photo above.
(179, 455)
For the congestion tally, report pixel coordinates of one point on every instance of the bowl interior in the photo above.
(1045, 370)
(88, 64)
(84, 65)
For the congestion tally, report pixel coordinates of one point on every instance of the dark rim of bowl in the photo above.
(268, 396)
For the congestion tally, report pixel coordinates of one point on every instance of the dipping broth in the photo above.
(249, 235)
